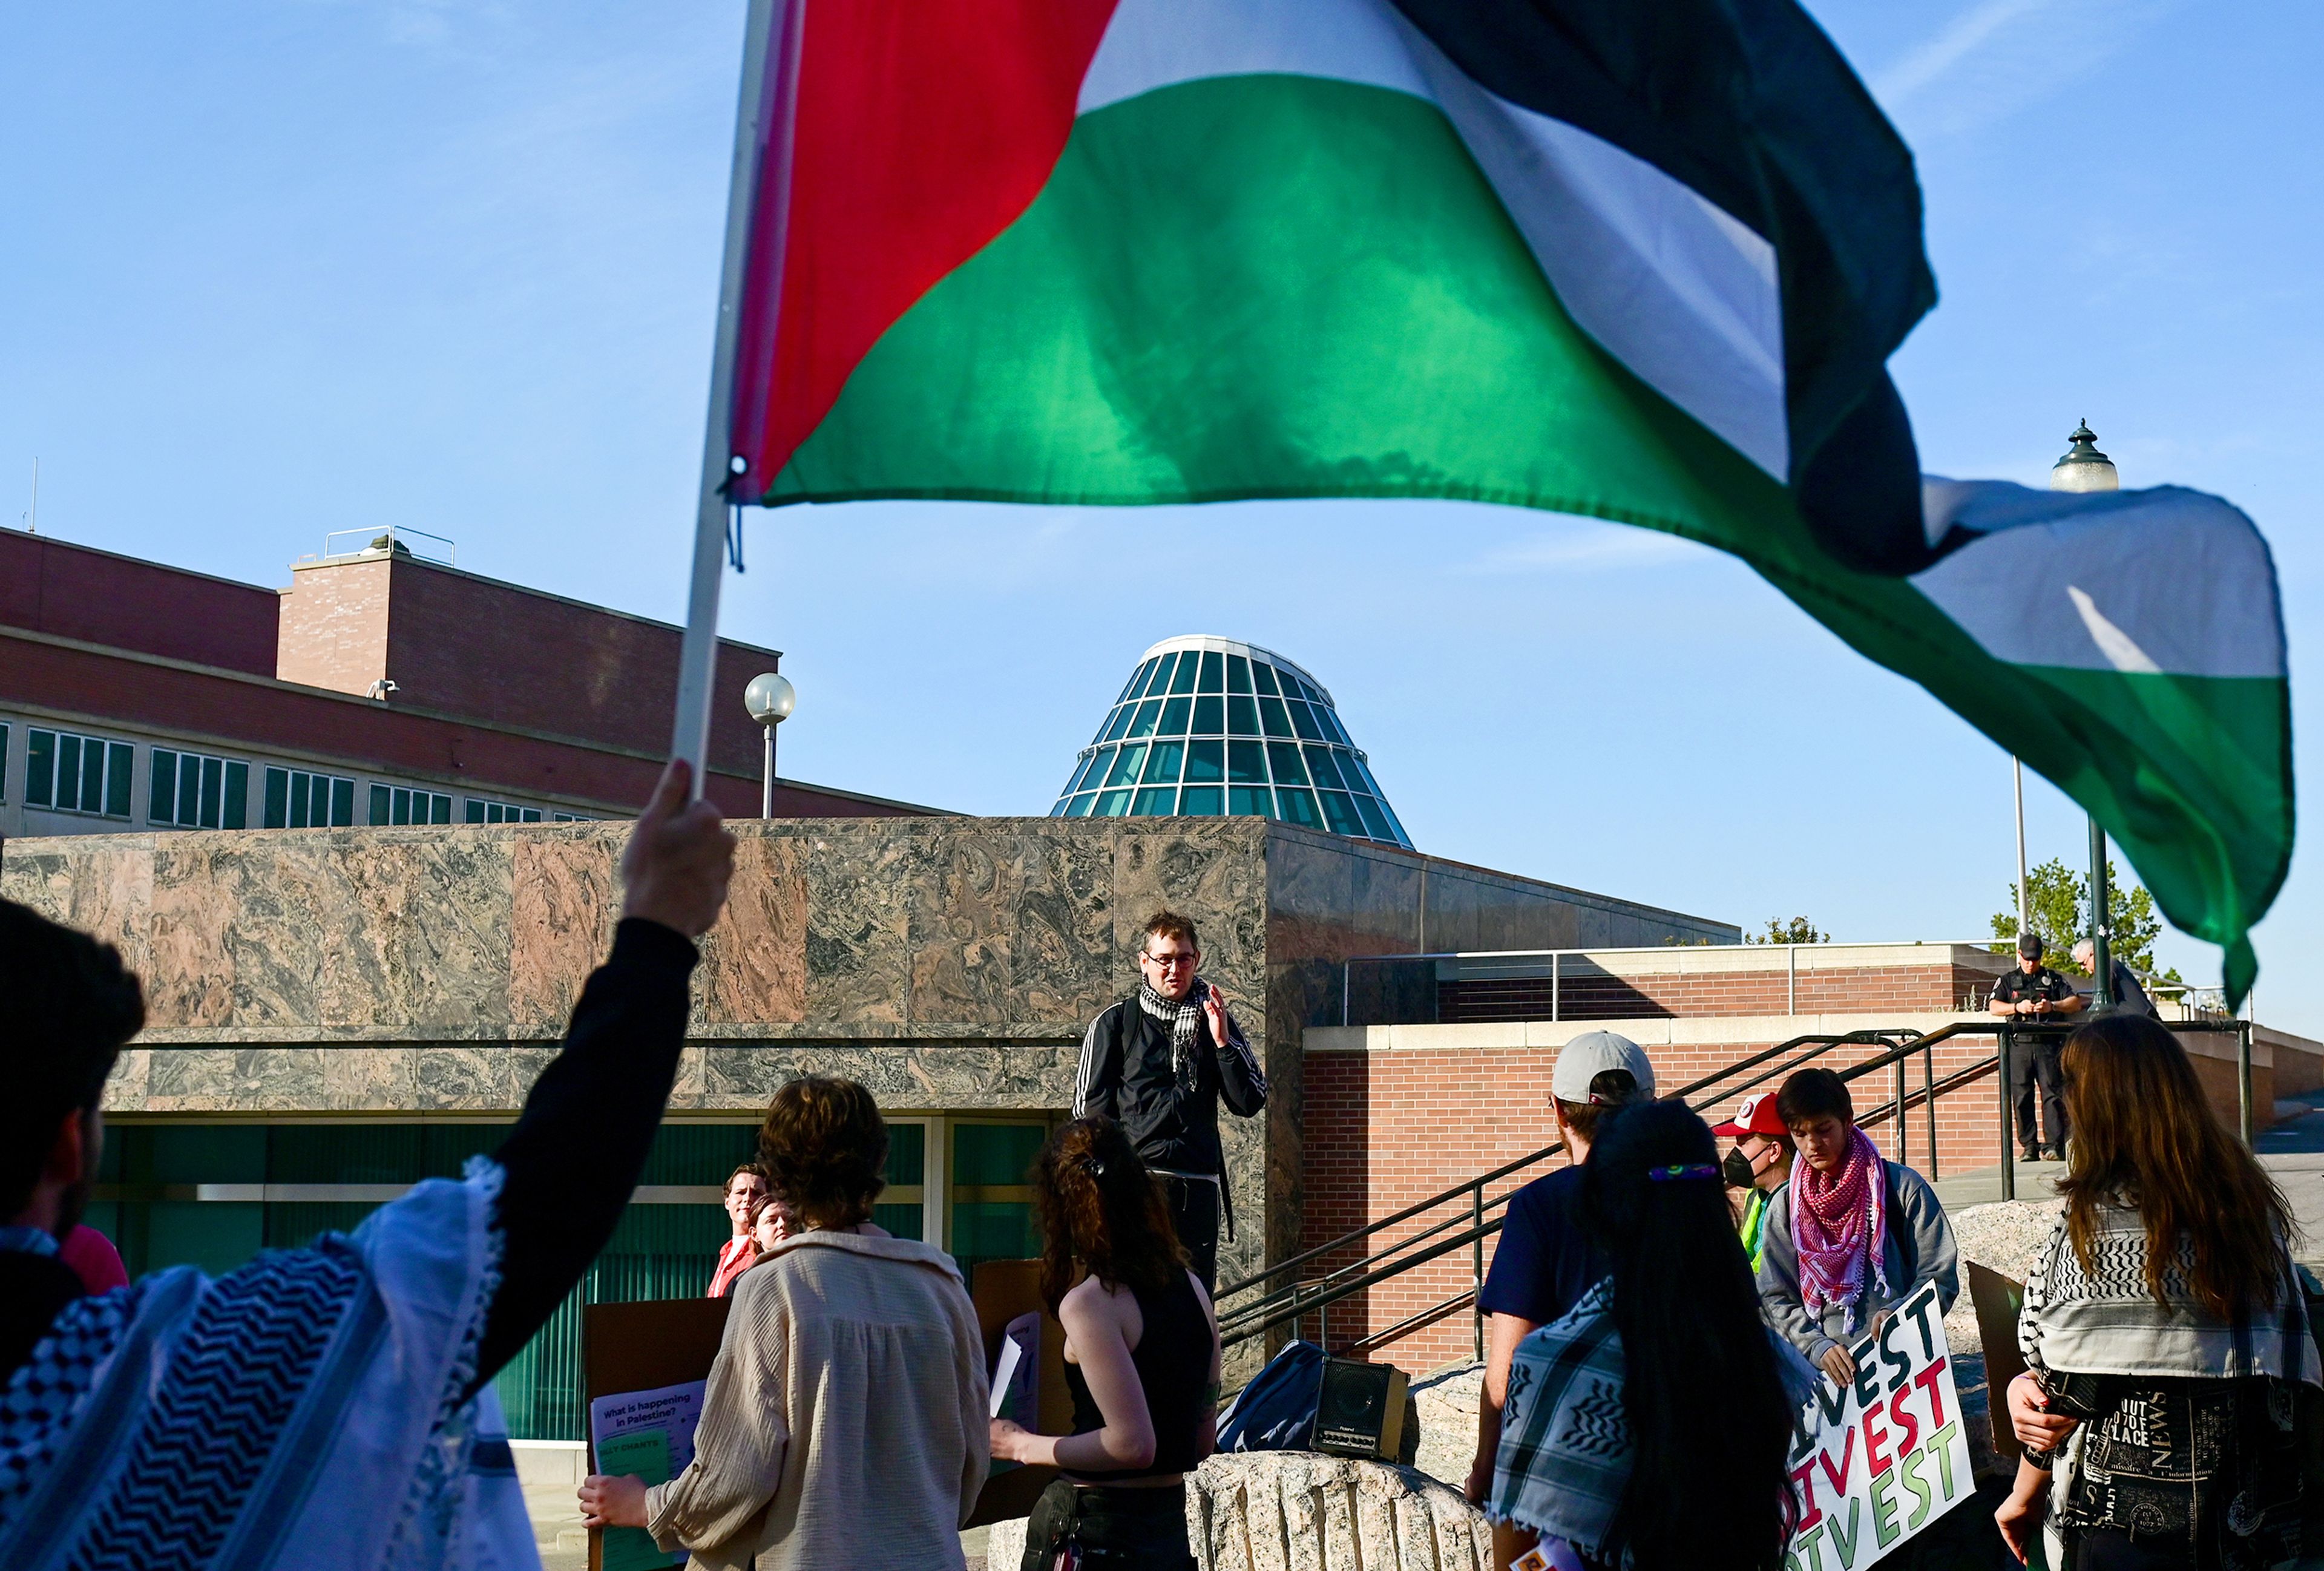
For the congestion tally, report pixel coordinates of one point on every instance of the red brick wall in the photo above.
(461, 644)
(1387, 1129)
(70, 591)
(1587, 993)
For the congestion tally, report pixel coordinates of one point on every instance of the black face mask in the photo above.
(1736, 1169)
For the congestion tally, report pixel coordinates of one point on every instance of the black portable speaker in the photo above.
(1360, 1409)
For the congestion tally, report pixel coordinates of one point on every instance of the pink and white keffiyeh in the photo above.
(1840, 1225)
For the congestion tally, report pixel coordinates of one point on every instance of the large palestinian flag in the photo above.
(1640, 262)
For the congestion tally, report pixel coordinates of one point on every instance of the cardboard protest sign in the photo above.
(1883, 1457)
(643, 1367)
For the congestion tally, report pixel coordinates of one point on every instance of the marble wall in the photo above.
(948, 962)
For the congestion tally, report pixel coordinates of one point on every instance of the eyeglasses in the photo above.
(1169, 962)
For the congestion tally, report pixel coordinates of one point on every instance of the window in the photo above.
(296, 799)
(193, 791)
(78, 774)
(481, 812)
(3, 763)
(400, 805)
(571, 818)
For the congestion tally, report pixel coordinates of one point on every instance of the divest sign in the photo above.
(1883, 1457)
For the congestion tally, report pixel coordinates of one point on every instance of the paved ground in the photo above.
(2292, 1151)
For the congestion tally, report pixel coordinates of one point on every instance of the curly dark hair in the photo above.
(1103, 1210)
(825, 1149)
(70, 1006)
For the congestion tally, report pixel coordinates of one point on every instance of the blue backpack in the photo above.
(1276, 1410)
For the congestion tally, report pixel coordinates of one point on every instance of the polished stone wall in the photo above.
(950, 964)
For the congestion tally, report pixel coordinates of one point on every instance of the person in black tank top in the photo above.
(1142, 1362)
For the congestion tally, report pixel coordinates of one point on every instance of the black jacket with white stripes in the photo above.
(1127, 1075)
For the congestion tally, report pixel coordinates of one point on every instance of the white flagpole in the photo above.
(697, 659)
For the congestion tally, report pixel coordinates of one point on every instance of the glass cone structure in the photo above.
(1208, 726)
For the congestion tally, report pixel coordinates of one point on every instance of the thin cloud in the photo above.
(2000, 56)
(1581, 548)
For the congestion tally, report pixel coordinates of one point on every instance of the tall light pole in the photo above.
(769, 698)
(2084, 468)
(2025, 895)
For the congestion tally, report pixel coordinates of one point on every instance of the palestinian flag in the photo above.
(1642, 263)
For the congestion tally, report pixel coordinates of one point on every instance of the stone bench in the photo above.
(1297, 1510)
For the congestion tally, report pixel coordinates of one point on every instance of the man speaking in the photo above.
(1157, 1063)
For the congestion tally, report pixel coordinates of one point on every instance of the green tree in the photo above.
(2059, 907)
(1798, 930)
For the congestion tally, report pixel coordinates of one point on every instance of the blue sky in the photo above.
(298, 266)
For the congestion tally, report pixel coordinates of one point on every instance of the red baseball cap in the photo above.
(1754, 1115)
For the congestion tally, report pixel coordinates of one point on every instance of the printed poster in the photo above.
(650, 1433)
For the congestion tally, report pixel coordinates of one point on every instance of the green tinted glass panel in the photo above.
(1154, 802)
(1242, 716)
(1238, 674)
(1125, 765)
(1149, 713)
(1340, 812)
(236, 813)
(1375, 821)
(1246, 761)
(68, 772)
(440, 811)
(1162, 763)
(984, 1229)
(1264, 675)
(1302, 720)
(1210, 717)
(215, 1235)
(478, 811)
(1284, 757)
(1250, 799)
(1395, 824)
(40, 768)
(1183, 680)
(379, 804)
(1331, 723)
(1174, 716)
(908, 1154)
(1161, 680)
(1203, 801)
(904, 1221)
(1214, 668)
(1059, 810)
(1276, 718)
(1326, 772)
(1298, 806)
(161, 790)
(1121, 718)
(1137, 680)
(278, 795)
(212, 790)
(985, 1154)
(343, 803)
(1205, 761)
(1111, 805)
(1081, 806)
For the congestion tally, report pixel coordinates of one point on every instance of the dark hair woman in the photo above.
(2164, 1330)
(844, 1421)
(1676, 1317)
(1142, 1360)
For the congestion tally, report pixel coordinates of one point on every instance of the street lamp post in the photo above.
(769, 698)
(2084, 468)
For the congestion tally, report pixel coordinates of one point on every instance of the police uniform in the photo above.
(2035, 1060)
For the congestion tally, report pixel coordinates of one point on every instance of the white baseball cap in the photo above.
(1590, 1054)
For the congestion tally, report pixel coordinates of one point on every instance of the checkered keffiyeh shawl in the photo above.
(1189, 1029)
(2102, 1320)
(1839, 1226)
(1564, 1458)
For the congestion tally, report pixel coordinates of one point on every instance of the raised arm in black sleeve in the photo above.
(1242, 1083)
(576, 1152)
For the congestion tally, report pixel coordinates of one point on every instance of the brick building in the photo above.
(379, 688)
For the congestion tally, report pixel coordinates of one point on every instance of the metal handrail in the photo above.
(1289, 1304)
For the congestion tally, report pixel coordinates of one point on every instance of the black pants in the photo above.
(1116, 1529)
(1195, 1213)
(2033, 1063)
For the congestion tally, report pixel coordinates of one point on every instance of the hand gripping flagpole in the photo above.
(697, 659)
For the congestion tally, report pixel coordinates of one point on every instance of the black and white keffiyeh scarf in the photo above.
(1190, 1029)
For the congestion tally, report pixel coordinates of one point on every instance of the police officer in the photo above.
(2035, 991)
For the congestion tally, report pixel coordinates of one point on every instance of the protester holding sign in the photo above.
(1141, 1361)
(1851, 1236)
(331, 1405)
(2164, 1332)
(1662, 1387)
(844, 1421)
